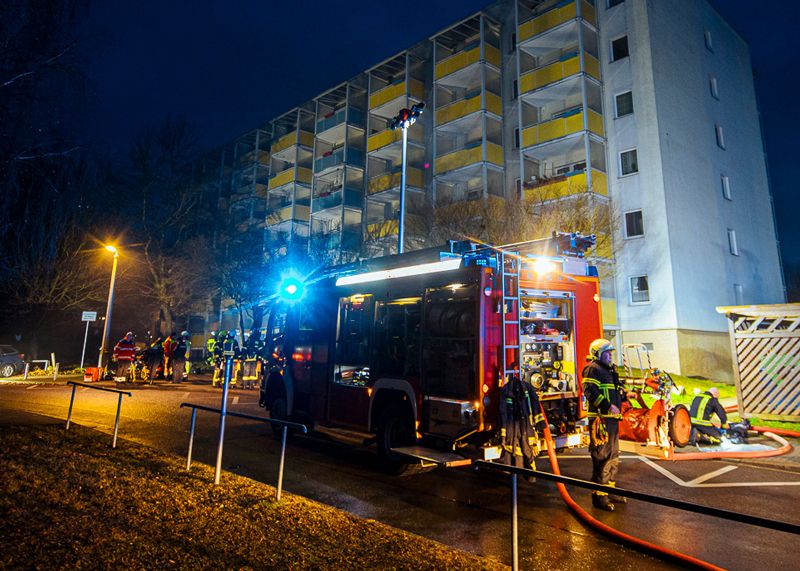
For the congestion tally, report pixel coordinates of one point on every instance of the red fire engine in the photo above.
(411, 350)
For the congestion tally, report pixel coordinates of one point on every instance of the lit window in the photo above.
(720, 134)
(726, 187)
(628, 162)
(624, 104)
(634, 224)
(709, 41)
(712, 85)
(640, 290)
(619, 48)
(732, 245)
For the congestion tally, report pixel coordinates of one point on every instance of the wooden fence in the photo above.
(765, 343)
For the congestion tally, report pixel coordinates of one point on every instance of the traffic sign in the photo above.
(89, 316)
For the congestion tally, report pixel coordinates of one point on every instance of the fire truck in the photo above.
(410, 351)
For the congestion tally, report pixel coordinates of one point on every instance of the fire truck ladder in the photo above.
(510, 270)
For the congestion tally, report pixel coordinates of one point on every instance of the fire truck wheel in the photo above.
(396, 429)
(680, 426)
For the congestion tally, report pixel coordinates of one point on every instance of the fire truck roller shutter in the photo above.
(451, 319)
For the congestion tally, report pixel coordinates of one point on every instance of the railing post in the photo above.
(223, 411)
(514, 526)
(55, 371)
(27, 369)
(280, 465)
(71, 400)
(191, 439)
(116, 421)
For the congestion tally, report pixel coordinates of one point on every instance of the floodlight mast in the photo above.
(403, 121)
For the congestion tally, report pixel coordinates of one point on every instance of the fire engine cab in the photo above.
(411, 350)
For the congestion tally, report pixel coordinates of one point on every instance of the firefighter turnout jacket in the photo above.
(520, 415)
(704, 406)
(602, 388)
(124, 350)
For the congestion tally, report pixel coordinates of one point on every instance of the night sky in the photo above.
(228, 67)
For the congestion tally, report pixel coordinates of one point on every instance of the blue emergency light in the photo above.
(291, 289)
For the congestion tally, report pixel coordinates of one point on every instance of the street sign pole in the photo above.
(87, 316)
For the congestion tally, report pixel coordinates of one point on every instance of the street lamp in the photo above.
(404, 120)
(107, 324)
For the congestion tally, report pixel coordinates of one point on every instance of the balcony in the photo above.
(416, 89)
(567, 123)
(301, 214)
(382, 229)
(301, 174)
(290, 139)
(470, 104)
(352, 198)
(568, 65)
(469, 55)
(389, 136)
(566, 185)
(349, 239)
(355, 117)
(414, 177)
(560, 13)
(354, 157)
(469, 156)
(258, 156)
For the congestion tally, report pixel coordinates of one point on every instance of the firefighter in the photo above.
(124, 352)
(180, 358)
(704, 406)
(604, 394)
(155, 359)
(520, 415)
(211, 344)
(170, 343)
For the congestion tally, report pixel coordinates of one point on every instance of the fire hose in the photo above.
(615, 534)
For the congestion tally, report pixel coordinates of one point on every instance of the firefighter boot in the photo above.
(614, 497)
(600, 500)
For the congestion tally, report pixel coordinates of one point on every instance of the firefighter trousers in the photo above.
(708, 434)
(605, 455)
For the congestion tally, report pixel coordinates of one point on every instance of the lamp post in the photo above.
(107, 325)
(404, 120)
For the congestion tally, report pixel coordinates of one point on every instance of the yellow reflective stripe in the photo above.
(598, 400)
(592, 381)
(701, 412)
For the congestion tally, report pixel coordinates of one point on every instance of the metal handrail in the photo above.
(76, 384)
(284, 423)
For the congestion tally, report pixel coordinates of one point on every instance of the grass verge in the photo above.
(70, 501)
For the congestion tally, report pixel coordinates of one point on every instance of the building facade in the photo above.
(645, 108)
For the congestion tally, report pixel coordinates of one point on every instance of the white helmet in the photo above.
(184, 333)
(600, 346)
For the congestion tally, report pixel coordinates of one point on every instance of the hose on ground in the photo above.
(608, 531)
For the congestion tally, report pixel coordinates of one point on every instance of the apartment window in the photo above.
(726, 187)
(624, 102)
(649, 346)
(720, 136)
(709, 41)
(634, 224)
(738, 294)
(628, 162)
(640, 290)
(712, 85)
(516, 138)
(515, 88)
(513, 45)
(732, 245)
(612, 3)
(619, 48)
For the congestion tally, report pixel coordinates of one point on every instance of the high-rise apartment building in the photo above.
(647, 108)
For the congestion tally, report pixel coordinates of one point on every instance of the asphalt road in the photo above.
(460, 507)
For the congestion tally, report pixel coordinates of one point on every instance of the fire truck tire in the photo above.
(395, 429)
(680, 426)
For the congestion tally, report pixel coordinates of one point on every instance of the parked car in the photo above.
(11, 361)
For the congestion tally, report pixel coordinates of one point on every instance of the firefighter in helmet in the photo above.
(180, 358)
(124, 352)
(604, 395)
(704, 406)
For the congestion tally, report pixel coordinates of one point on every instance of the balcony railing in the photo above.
(276, 216)
(414, 177)
(382, 229)
(355, 117)
(469, 55)
(284, 177)
(560, 13)
(415, 88)
(566, 66)
(470, 104)
(352, 197)
(469, 156)
(389, 136)
(567, 124)
(304, 138)
(354, 157)
(347, 239)
(565, 185)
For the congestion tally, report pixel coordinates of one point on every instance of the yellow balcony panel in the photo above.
(382, 229)
(458, 109)
(546, 21)
(588, 12)
(494, 103)
(494, 154)
(383, 138)
(561, 127)
(566, 185)
(595, 121)
(414, 87)
(387, 181)
(289, 139)
(459, 159)
(458, 61)
(302, 213)
(548, 74)
(307, 139)
(417, 89)
(591, 66)
(303, 175)
(491, 54)
(608, 307)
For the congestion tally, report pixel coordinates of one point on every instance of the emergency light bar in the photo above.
(419, 269)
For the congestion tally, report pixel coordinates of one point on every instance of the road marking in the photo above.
(185, 395)
(235, 400)
(32, 386)
(710, 475)
(699, 482)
